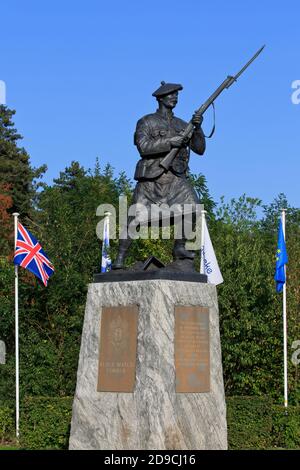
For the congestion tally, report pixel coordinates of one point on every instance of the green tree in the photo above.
(15, 169)
(65, 224)
(200, 185)
(269, 224)
(6, 229)
(250, 309)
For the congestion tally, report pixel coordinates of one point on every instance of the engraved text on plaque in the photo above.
(192, 358)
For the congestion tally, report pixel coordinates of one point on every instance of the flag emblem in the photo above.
(281, 259)
(30, 255)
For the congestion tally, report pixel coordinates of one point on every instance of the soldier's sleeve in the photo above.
(150, 141)
(198, 143)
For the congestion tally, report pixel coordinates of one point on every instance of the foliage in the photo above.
(15, 169)
(51, 318)
(253, 423)
(199, 183)
(250, 309)
(7, 326)
(286, 427)
(249, 422)
(6, 423)
(6, 233)
(45, 423)
(63, 217)
(256, 423)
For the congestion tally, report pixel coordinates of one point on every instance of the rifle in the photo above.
(167, 160)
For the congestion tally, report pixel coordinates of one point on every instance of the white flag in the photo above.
(105, 261)
(209, 261)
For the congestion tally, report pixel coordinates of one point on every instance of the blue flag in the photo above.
(281, 260)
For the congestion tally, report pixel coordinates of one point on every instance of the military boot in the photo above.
(179, 251)
(123, 247)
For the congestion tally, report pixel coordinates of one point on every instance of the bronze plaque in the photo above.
(118, 343)
(192, 357)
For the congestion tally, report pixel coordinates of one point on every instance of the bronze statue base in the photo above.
(153, 268)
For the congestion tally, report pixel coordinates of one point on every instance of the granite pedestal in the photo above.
(153, 416)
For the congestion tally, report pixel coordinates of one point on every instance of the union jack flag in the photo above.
(30, 255)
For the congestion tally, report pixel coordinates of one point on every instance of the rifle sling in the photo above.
(214, 126)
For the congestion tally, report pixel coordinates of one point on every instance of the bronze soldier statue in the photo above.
(164, 142)
(155, 136)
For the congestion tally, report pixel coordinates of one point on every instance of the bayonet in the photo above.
(167, 160)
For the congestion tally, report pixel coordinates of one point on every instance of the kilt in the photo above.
(168, 190)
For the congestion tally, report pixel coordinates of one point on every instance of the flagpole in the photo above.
(16, 215)
(285, 358)
(108, 214)
(202, 268)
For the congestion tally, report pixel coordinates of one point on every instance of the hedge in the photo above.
(249, 421)
(286, 427)
(44, 422)
(7, 423)
(253, 423)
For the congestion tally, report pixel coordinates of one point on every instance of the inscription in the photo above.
(118, 342)
(192, 358)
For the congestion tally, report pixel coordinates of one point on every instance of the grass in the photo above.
(9, 447)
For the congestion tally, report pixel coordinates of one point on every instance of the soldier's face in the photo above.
(170, 100)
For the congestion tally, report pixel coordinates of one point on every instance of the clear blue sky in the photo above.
(80, 74)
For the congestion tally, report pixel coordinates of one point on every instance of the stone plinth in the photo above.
(154, 416)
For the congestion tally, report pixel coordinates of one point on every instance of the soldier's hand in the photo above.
(197, 119)
(176, 141)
